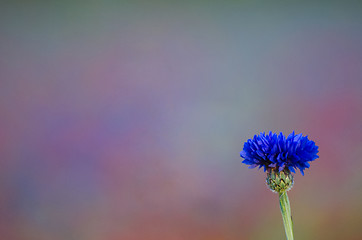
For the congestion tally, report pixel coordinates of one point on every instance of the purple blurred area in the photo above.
(125, 120)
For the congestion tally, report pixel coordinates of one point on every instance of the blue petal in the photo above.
(253, 166)
(243, 154)
(260, 153)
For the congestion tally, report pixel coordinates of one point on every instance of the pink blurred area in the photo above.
(125, 121)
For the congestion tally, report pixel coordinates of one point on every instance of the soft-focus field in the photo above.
(124, 120)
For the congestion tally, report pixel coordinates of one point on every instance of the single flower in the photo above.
(277, 152)
(280, 156)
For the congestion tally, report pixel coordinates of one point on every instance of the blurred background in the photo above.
(124, 120)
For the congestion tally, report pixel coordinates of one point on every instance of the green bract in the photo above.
(279, 181)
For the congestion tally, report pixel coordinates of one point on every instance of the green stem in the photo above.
(286, 214)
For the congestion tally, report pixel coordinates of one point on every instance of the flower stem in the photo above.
(286, 214)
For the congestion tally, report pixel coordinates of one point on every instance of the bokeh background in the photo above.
(124, 120)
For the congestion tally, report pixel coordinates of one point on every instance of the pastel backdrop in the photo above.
(125, 120)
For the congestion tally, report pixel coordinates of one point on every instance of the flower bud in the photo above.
(279, 181)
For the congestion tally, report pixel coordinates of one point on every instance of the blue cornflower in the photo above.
(278, 153)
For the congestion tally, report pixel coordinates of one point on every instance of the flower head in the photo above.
(276, 152)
